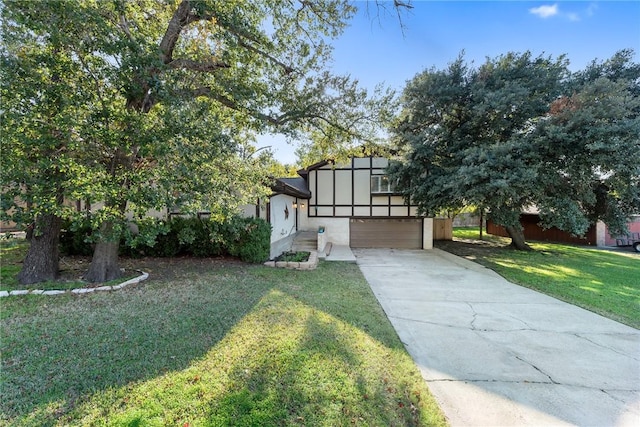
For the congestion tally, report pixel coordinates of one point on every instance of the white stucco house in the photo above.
(355, 203)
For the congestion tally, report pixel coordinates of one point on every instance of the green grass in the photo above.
(473, 233)
(12, 253)
(605, 282)
(239, 345)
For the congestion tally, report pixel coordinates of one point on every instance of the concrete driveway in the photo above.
(494, 353)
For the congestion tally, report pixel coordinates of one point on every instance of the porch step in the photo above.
(305, 241)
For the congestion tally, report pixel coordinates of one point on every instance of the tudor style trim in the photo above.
(325, 179)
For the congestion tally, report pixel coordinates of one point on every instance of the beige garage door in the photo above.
(401, 233)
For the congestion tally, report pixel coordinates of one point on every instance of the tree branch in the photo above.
(188, 64)
(230, 103)
(287, 69)
(180, 19)
(280, 120)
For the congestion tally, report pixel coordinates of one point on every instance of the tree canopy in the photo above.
(149, 104)
(520, 132)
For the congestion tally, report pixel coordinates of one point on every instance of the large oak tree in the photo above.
(173, 93)
(521, 131)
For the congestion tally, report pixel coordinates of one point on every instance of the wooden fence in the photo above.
(442, 229)
(533, 231)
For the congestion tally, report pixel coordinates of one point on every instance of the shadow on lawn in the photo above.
(66, 353)
(307, 392)
(599, 280)
(76, 345)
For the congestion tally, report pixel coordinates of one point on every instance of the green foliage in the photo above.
(76, 238)
(589, 145)
(245, 238)
(293, 256)
(146, 105)
(254, 240)
(44, 103)
(520, 131)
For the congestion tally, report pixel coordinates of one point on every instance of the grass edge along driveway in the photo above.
(605, 282)
(241, 345)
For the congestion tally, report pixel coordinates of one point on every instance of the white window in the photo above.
(381, 184)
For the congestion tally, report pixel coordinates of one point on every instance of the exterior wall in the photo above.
(280, 246)
(6, 226)
(336, 229)
(467, 220)
(344, 191)
(248, 211)
(601, 234)
(427, 233)
(82, 206)
(634, 230)
(256, 210)
(282, 217)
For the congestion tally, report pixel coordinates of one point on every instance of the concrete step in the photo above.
(305, 241)
(303, 248)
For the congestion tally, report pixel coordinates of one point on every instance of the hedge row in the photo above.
(245, 238)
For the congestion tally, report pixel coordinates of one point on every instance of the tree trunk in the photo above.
(104, 264)
(42, 261)
(517, 238)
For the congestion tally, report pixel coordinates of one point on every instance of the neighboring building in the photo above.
(596, 235)
(354, 203)
(605, 238)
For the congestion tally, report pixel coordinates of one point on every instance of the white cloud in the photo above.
(545, 11)
(592, 9)
(573, 17)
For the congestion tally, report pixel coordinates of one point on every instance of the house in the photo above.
(354, 204)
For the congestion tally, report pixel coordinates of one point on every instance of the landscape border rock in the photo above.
(143, 276)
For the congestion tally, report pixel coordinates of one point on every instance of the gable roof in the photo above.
(305, 171)
(296, 187)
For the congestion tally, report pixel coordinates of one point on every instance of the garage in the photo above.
(400, 233)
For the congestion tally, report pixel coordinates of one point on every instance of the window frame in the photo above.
(383, 188)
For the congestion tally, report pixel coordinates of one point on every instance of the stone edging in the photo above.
(310, 264)
(143, 276)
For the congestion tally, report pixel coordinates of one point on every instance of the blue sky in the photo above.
(374, 49)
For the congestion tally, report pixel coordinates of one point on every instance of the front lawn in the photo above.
(209, 342)
(602, 281)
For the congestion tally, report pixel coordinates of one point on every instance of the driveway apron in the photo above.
(497, 354)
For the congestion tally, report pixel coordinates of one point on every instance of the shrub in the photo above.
(254, 240)
(146, 237)
(246, 238)
(294, 256)
(75, 238)
(167, 245)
